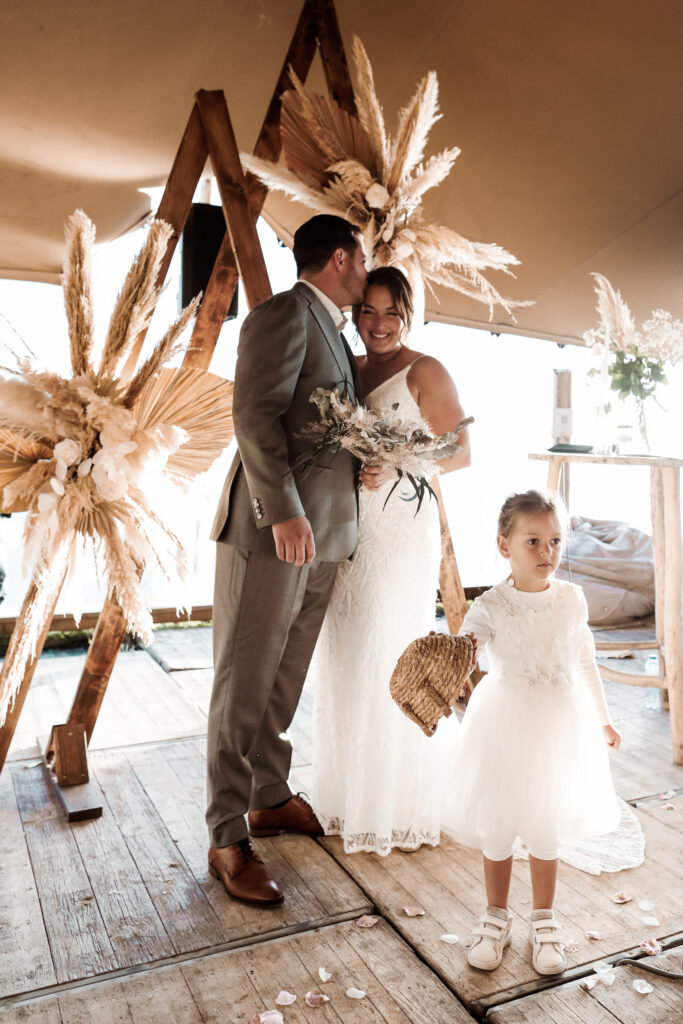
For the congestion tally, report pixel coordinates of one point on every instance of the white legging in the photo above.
(541, 847)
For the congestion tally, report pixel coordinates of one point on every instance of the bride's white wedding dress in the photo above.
(378, 781)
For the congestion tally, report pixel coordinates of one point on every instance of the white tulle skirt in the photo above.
(531, 763)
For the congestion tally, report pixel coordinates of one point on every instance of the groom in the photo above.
(280, 539)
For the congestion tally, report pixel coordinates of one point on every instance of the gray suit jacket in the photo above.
(288, 346)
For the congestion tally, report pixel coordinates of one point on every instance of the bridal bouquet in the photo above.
(377, 438)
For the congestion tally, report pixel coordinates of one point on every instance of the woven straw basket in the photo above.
(429, 677)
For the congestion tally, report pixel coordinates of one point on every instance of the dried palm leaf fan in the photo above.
(430, 676)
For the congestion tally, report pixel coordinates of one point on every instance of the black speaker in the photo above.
(202, 237)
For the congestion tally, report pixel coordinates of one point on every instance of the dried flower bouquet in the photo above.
(351, 167)
(88, 456)
(376, 438)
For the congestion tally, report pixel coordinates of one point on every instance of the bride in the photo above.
(377, 780)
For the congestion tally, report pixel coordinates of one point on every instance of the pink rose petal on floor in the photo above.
(606, 973)
(651, 947)
(668, 795)
(414, 911)
(316, 998)
(589, 983)
(593, 936)
(367, 921)
(285, 998)
(355, 993)
(621, 897)
(570, 946)
(267, 1017)
(324, 974)
(668, 807)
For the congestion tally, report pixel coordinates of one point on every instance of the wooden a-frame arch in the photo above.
(208, 134)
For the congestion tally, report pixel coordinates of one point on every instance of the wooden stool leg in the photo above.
(672, 605)
(554, 467)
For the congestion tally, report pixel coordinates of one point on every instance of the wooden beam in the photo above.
(225, 159)
(450, 585)
(175, 205)
(224, 277)
(8, 727)
(214, 308)
(67, 623)
(299, 58)
(333, 56)
(99, 664)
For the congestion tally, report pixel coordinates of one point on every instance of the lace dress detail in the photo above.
(377, 778)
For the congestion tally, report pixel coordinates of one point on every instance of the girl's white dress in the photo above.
(377, 780)
(532, 760)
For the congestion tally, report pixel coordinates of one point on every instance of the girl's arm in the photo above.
(477, 625)
(589, 671)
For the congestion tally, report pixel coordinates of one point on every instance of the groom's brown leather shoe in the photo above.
(294, 816)
(244, 874)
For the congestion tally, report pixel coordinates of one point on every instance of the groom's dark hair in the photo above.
(318, 238)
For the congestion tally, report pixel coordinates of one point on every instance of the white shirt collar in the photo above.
(335, 312)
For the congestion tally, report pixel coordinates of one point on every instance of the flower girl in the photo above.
(532, 760)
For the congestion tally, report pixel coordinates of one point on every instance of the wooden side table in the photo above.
(665, 499)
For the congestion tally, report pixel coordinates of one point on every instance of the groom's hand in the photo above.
(294, 541)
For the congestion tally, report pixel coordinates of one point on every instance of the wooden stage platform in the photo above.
(117, 920)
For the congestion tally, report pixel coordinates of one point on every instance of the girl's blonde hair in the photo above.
(529, 503)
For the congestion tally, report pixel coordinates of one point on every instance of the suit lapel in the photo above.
(336, 342)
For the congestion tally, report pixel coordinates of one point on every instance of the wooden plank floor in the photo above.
(128, 896)
(132, 887)
(231, 987)
(447, 883)
(618, 1003)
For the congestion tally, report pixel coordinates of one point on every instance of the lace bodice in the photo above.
(535, 639)
(396, 390)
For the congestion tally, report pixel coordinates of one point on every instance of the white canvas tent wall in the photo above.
(568, 117)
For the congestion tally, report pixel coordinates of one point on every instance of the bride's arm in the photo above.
(433, 389)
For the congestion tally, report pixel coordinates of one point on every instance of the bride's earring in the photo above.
(510, 581)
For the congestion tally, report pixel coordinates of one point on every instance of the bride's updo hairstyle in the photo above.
(529, 503)
(396, 282)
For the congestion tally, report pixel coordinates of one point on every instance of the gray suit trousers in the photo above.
(267, 617)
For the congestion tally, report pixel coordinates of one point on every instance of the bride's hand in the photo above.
(373, 477)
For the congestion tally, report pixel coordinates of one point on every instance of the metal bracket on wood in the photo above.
(66, 757)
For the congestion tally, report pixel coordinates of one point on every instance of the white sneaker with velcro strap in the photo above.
(546, 940)
(491, 936)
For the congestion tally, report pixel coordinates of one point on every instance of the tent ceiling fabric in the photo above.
(568, 117)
